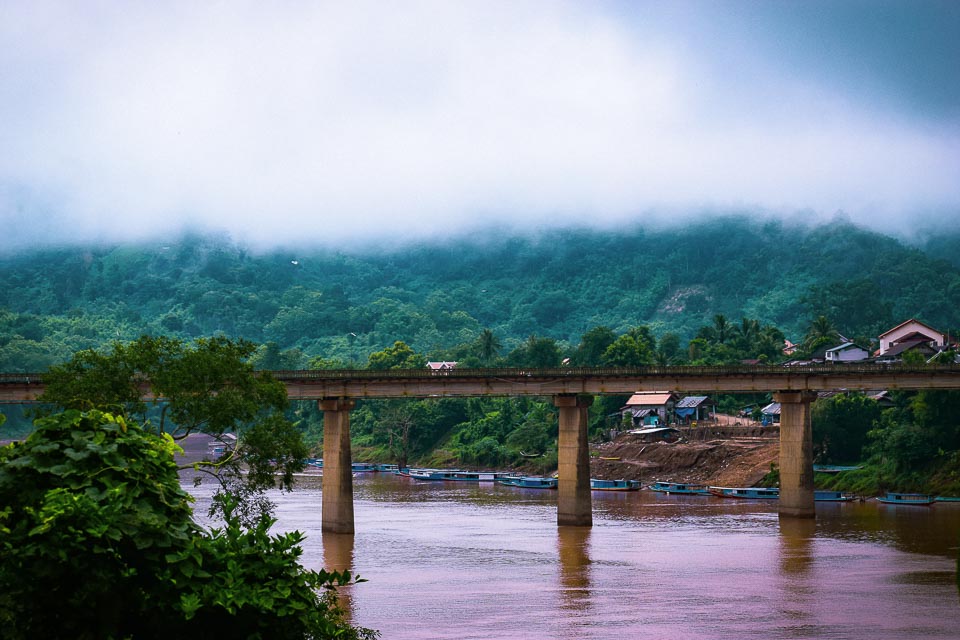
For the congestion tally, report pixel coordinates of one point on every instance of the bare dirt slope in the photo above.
(732, 462)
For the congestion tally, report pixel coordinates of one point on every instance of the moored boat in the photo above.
(832, 468)
(386, 468)
(614, 485)
(918, 499)
(529, 482)
(681, 488)
(363, 467)
(749, 493)
(948, 499)
(455, 475)
(831, 496)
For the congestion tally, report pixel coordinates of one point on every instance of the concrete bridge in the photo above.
(572, 391)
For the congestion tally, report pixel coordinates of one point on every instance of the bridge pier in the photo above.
(796, 453)
(337, 511)
(574, 507)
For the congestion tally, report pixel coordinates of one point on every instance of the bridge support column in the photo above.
(574, 506)
(796, 454)
(337, 513)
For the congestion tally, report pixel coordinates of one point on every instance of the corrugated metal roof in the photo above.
(655, 399)
(691, 401)
(772, 409)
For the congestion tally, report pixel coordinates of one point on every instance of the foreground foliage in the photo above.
(208, 386)
(97, 540)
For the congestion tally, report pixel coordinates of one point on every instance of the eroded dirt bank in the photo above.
(723, 458)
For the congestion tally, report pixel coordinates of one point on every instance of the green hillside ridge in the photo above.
(558, 284)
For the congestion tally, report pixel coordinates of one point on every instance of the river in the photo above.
(455, 560)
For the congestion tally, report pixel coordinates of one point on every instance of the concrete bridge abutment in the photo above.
(796, 454)
(337, 510)
(574, 506)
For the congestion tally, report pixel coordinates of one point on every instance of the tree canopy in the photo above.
(208, 386)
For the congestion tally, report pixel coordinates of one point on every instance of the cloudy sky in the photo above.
(286, 121)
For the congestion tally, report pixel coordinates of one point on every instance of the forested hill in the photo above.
(438, 295)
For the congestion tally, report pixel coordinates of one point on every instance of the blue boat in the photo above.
(681, 488)
(614, 485)
(749, 493)
(453, 475)
(831, 496)
(363, 467)
(918, 499)
(948, 499)
(315, 462)
(386, 468)
(529, 482)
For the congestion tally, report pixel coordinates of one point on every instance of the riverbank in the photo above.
(717, 457)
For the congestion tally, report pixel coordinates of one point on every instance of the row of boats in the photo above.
(512, 479)
(759, 493)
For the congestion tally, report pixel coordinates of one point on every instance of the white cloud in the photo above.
(285, 121)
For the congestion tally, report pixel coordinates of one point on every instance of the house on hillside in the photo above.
(789, 348)
(441, 366)
(912, 332)
(882, 397)
(693, 409)
(846, 352)
(771, 414)
(649, 408)
(919, 345)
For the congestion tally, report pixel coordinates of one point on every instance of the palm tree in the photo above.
(721, 328)
(488, 346)
(821, 331)
(747, 332)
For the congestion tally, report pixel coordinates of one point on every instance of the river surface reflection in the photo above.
(448, 560)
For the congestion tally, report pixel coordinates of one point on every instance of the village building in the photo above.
(649, 408)
(694, 409)
(911, 333)
(770, 414)
(441, 366)
(846, 352)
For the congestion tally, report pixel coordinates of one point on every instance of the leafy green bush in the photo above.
(97, 540)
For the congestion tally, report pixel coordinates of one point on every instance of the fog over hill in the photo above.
(332, 122)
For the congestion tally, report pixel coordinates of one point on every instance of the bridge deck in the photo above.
(309, 385)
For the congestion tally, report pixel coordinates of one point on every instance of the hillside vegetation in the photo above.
(435, 296)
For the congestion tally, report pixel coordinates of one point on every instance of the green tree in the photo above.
(821, 333)
(632, 349)
(721, 328)
(841, 424)
(97, 540)
(536, 352)
(593, 343)
(488, 346)
(399, 356)
(207, 387)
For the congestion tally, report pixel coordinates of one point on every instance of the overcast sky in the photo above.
(298, 121)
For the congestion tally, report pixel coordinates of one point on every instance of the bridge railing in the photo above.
(560, 372)
(617, 372)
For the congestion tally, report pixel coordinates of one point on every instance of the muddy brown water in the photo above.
(457, 560)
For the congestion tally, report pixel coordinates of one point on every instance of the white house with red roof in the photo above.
(441, 366)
